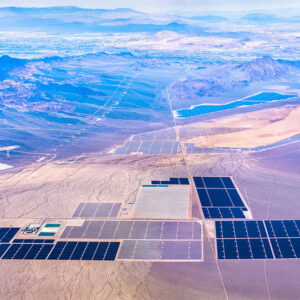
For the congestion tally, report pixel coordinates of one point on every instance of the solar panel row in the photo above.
(161, 250)
(220, 198)
(258, 248)
(7, 233)
(240, 229)
(283, 228)
(172, 181)
(148, 147)
(135, 230)
(223, 213)
(97, 210)
(214, 182)
(36, 241)
(61, 251)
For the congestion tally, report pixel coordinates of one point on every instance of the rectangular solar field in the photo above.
(97, 210)
(258, 239)
(242, 240)
(219, 198)
(145, 230)
(161, 250)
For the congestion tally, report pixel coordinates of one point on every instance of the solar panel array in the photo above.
(154, 230)
(7, 233)
(219, 198)
(97, 210)
(61, 251)
(258, 239)
(190, 148)
(161, 250)
(148, 147)
(181, 181)
(242, 240)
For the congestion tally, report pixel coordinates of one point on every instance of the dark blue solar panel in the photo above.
(276, 248)
(257, 248)
(213, 182)
(68, 251)
(240, 229)
(244, 249)
(199, 182)
(22, 251)
(100, 251)
(267, 248)
(78, 251)
(237, 213)
(291, 228)
(3, 232)
(270, 230)
(44, 251)
(112, 251)
(218, 229)
(226, 213)
(228, 182)
(35, 241)
(9, 235)
(231, 251)
(33, 252)
(203, 196)
(46, 241)
(219, 198)
(254, 230)
(206, 212)
(3, 248)
(165, 182)
(155, 182)
(296, 246)
(220, 249)
(11, 251)
(184, 181)
(236, 199)
(28, 241)
(228, 229)
(279, 229)
(286, 248)
(174, 180)
(57, 250)
(214, 213)
(90, 251)
(17, 241)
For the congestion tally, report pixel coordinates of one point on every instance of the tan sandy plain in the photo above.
(260, 128)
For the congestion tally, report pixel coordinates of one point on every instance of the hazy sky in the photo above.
(196, 6)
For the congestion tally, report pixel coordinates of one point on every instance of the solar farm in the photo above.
(159, 229)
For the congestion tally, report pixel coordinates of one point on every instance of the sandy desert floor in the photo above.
(258, 128)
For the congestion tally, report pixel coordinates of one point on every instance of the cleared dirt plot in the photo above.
(167, 202)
